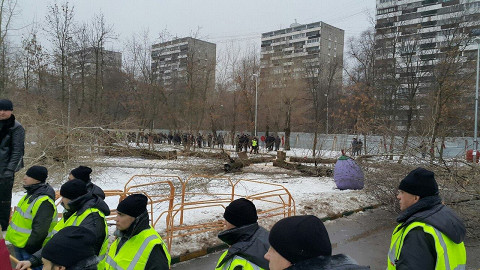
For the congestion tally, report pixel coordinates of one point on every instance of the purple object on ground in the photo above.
(347, 174)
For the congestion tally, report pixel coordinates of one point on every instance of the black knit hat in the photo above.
(73, 189)
(39, 173)
(6, 105)
(82, 173)
(300, 238)
(133, 205)
(420, 182)
(241, 212)
(69, 246)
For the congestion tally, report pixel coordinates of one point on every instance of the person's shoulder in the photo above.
(17, 125)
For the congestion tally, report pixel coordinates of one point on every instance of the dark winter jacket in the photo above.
(87, 264)
(335, 262)
(12, 148)
(94, 222)
(418, 251)
(157, 259)
(249, 242)
(96, 190)
(43, 219)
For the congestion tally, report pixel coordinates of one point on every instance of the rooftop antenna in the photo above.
(295, 24)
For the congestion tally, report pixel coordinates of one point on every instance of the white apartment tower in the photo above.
(172, 59)
(292, 49)
(412, 37)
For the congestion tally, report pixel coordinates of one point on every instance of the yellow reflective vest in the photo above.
(236, 261)
(134, 253)
(254, 143)
(75, 220)
(20, 227)
(450, 255)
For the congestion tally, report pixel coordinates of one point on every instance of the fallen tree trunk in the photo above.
(313, 160)
(119, 151)
(243, 161)
(305, 170)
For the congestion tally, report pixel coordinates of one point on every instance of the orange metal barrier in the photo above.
(172, 200)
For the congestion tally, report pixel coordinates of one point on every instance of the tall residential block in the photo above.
(413, 39)
(292, 50)
(173, 60)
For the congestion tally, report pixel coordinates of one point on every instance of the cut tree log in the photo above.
(313, 160)
(305, 170)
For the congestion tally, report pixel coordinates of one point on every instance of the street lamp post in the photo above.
(256, 101)
(326, 95)
(476, 32)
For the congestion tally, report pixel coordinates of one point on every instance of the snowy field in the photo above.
(311, 195)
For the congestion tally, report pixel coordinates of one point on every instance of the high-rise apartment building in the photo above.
(85, 61)
(414, 38)
(299, 47)
(172, 60)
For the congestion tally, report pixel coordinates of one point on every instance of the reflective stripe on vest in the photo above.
(135, 251)
(236, 261)
(20, 227)
(75, 220)
(450, 256)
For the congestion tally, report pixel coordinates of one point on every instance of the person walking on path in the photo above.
(247, 240)
(138, 245)
(35, 215)
(70, 248)
(83, 173)
(82, 208)
(12, 148)
(430, 235)
(301, 243)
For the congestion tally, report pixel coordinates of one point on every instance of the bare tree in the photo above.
(7, 12)
(101, 33)
(321, 80)
(59, 26)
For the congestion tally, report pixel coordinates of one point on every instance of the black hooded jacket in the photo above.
(335, 262)
(12, 147)
(94, 222)
(43, 219)
(157, 259)
(249, 242)
(418, 251)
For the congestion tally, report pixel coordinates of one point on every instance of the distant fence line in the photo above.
(454, 146)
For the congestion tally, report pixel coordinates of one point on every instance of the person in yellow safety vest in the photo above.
(138, 246)
(72, 248)
(82, 208)
(254, 145)
(430, 235)
(302, 242)
(35, 215)
(247, 240)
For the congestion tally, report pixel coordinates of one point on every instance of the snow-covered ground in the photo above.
(311, 195)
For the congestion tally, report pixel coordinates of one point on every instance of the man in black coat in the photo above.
(301, 243)
(83, 173)
(248, 241)
(429, 235)
(12, 139)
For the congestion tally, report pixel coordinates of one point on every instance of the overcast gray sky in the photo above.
(219, 21)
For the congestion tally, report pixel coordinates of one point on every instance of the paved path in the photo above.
(364, 236)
